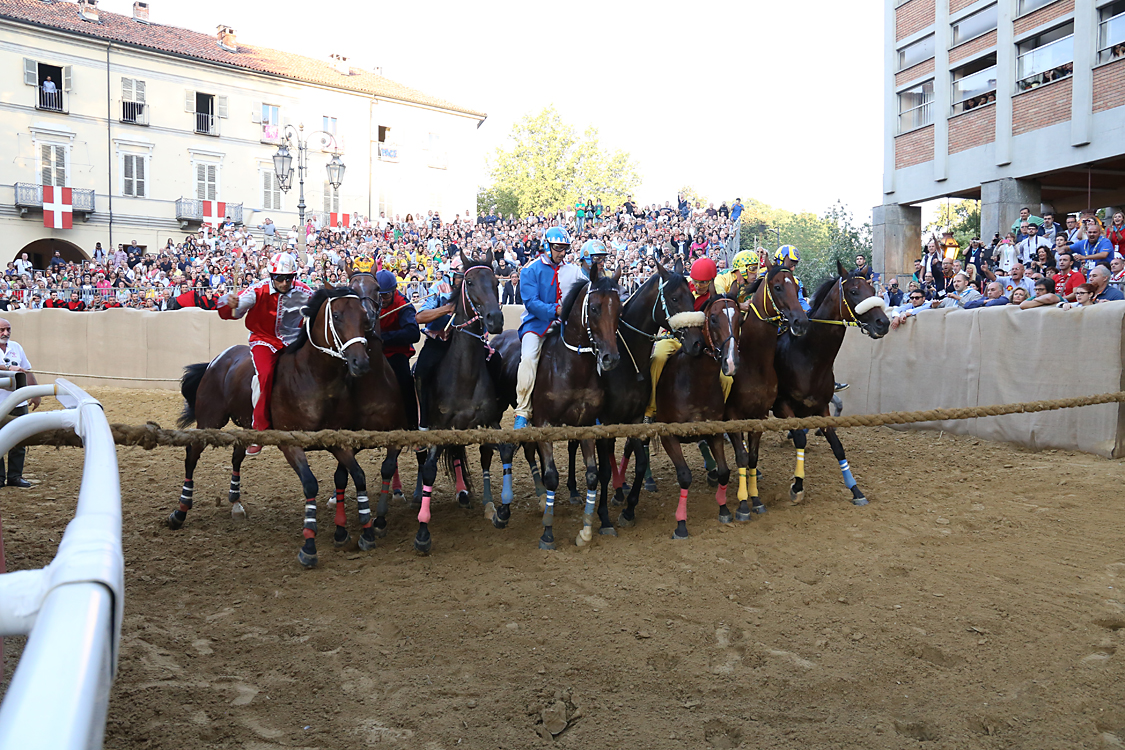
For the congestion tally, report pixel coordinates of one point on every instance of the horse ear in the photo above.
(617, 274)
(843, 272)
(595, 273)
(489, 258)
(661, 270)
(464, 261)
(679, 265)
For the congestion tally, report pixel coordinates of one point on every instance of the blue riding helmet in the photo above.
(786, 252)
(387, 282)
(556, 236)
(593, 249)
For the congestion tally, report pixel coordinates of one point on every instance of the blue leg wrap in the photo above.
(506, 493)
(849, 480)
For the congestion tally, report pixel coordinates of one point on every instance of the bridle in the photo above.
(777, 319)
(853, 313)
(374, 302)
(660, 300)
(468, 305)
(593, 347)
(717, 352)
(336, 345)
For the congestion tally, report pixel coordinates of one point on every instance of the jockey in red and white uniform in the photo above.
(273, 316)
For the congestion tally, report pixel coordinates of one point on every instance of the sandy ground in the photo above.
(973, 604)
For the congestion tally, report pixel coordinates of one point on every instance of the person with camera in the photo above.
(13, 360)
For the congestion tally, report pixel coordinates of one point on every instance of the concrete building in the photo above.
(148, 123)
(1012, 102)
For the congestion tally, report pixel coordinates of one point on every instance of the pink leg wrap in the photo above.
(681, 509)
(619, 472)
(396, 483)
(424, 513)
(341, 514)
(721, 495)
(459, 475)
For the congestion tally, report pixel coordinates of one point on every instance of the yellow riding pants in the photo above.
(661, 351)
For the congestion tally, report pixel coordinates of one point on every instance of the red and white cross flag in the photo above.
(340, 220)
(214, 212)
(58, 207)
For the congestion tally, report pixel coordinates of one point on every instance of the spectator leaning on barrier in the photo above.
(960, 295)
(1099, 282)
(1083, 297)
(1044, 295)
(13, 360)
(993, 297)
(1016, 279)
(1067, 279)
(916, 303)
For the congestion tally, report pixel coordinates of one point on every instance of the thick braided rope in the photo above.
(151, 435)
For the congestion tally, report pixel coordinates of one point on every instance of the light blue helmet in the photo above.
(556, 236)
(593, 249)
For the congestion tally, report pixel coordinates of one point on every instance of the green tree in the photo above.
(961, 217)
(493, 199)
(546, 166)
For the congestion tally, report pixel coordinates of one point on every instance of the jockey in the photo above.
(788, 257)
(743, 273)
(539, 287)
(273, 316)
(572, 274)
(703, 272)
(435, 313)
(399, 329)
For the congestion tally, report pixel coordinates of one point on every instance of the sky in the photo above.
(776, 101)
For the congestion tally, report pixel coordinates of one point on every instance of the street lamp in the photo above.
(762, 229)
(283, 167)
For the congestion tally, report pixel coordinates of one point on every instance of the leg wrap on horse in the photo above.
(799, 472)
(424, 513)
(549, 509)
(341, 512)
(186, 495)
(364, 509)
(235, 486)
(506, 493)
(849, 480)
(681, 507)
(310, 518)
(742, 494)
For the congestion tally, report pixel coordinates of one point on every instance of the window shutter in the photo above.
(221, 107)
(139, 172)
(267, 190)
(67, 78)
(139, 89)
(45, 159)
(201, 182)
(189, 101)
(128, 184)
(327, 196)
(30, 72)
(256, 114)
(127, 90)
(60, 166)
(212, 180)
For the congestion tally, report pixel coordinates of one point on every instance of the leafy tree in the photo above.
(962, 217)
(548, 166)
(494, 200)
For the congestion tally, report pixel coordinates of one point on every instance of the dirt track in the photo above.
(974, 603)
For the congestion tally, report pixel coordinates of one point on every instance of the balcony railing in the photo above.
(190, 211)
(206, 124)
(29, 195)
(1045, 64)
(134, 113)
(51, 101)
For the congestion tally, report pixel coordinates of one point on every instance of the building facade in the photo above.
(153, 128)
(1012, 102)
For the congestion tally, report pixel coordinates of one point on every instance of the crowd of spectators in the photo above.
(202, 267)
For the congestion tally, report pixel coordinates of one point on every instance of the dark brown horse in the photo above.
(568, 387)
(804, 365)
(461, 391)
(690, 391)
(775, 306)
(316, 386)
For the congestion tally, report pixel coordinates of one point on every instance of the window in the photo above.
(974, 84)
(1026, 6)
(208, 110)
(52, 164)
(1111, 32)
(914, 53)
(133, 175)
(207, 182)
(1045, 58)
(271, 190)
(52, 82)
(915, 106)
(133, 101)
(271, 123)
(384, 131)
(331, 198)
(972, 26)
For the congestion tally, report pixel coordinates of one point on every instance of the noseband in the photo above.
(336, 345)
(467, 305)
(863, 307)
(717, 352)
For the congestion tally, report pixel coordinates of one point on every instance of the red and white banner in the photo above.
(339, 220)
(58, 207)
(214, 212)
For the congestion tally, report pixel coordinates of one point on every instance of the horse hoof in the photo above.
(546, 545)
(861, 500)
(498, 522)
(796, 497)
(742, 515)
(576, 497)
(650, 485)
(341, 541)
(581, 541)
(626, 523)
(677, 535)
(238, 512)
(759, 507)
(725, 516)
(618, 498)
(463, 499)
(607, 531)
(423, 547)
(309, 561)
(399, 495)
(489, 511)
(173, 523)
(365, 544)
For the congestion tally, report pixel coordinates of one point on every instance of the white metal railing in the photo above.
(1033, 66)
(1111, 38)
(973, 87)
(71, 610)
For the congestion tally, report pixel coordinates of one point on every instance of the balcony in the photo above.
(134, 113)
(51, 101)
(206, 124)
(29, 195)
(189, 211)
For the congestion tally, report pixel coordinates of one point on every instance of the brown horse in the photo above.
(690, 391)
(568, 388)
(315, 387)
(804, 365)
(775, 306)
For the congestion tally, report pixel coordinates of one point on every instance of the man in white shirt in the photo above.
(23, 265)
(14, 360)
(1029, 244)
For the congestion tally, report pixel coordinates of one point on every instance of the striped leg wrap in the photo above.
(383, 495)
(506, 492)
(800, 471)
(487, 481)
(753, 482)
(341, 509)
(310, 518)
(591, 501)
(549, 510)
(364, 510)
(849, 480)
(235, 486)
(186, 495)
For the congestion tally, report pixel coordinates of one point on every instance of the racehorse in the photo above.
(804, 365)
(774, 306)
(568, 390)
(313, 389)
(463, 392)
(690, 391)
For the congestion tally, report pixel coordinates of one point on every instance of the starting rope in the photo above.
(152, 435)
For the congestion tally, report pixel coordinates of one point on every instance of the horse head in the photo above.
(867, 308)
(780, 297)
(480, 296)
(724, 321)
(600, 314)
(337, 324)
(674, 308)
(366, 288)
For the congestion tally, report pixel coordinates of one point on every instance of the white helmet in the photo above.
(282, 264)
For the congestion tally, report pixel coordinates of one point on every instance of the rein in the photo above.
(331, 337)
(717, 352)
(467, 305)
(593, 347)
(855, 322)
(776, 319)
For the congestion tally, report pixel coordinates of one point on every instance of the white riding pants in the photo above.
(530, 346)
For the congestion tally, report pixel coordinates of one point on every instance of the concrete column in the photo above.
(890, 100)
(1085, 56)
(1005, 83)
(1000, 204)
(942, 88)
(896, 234)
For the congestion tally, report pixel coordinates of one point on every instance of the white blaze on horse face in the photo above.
(731, 343)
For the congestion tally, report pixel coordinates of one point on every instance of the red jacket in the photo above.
(271, 318)
(399, 328)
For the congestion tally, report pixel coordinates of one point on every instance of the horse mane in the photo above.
(822, 292)
(600, 284)
(312, 309)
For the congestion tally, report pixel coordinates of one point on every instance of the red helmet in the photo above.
(704, 269)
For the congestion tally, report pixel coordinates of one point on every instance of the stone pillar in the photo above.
(1000, 204)
(896, 238)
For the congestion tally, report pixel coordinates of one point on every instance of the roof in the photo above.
(115, 27)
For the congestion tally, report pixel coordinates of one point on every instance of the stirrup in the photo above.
(840, 387)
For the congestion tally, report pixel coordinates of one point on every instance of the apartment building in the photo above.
(1012, 102)
(153, 130)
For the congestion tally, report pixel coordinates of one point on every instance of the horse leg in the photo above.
(628, 516)
(177, 517)
(619, 470)
(797, 491)
(300, 463)
(422, 455)
(718, 449)
(650, 480)
(463, 498)
(838, 451)
(486, 451)
(709, 463)
(501, 516)
(340, 478)
(588, 455)
(571, 482)
(551, 483)
(607, 466)
(378, 527)
(683, 476)
(529, 454)
(422, 540)
(396, 485)
(237, 509)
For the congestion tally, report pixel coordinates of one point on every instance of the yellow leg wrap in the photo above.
(663, 349)
(753, 483)
(800, 472)
(742, 484)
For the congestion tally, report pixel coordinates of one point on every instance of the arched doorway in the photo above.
(41, 251)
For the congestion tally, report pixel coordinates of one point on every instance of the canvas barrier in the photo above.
(966, 358)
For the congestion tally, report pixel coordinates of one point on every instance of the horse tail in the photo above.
(451, 455)
(189, 387)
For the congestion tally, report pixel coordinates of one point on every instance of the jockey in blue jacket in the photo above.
(539, 287)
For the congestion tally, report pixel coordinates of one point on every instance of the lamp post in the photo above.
(283, 167)
(762, 229)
